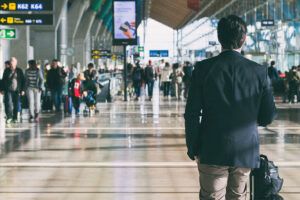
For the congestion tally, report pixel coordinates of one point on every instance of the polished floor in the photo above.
(128, 151)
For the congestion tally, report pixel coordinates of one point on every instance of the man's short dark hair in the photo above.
(32, 63)
(232, 32)
(7, 62)
(272, 62)
(90, 65)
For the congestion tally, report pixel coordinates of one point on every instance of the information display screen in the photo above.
(124, 26)
(26, 5)
(23, 19)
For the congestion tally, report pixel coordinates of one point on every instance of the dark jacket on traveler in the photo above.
(149, 74)
(137, 74)
(9, 84)
(187, 70)
(234, 95)
(90, 75)
(56, 78)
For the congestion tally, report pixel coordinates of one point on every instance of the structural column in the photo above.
(63, 36)
(45, 44)
(20, 47)
(95, 31)
(74, 18)
(81, 37)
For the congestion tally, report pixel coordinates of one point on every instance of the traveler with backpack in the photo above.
(90, 74)
(228, 98)
(137, 78)
(165, 79)
(34, 86)
(13, 87)
(149, 79)
(293, 82)
(187, 70)
(178, 82)
(76, 90)
(56, 79)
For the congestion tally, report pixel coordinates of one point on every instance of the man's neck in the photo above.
(237, 50)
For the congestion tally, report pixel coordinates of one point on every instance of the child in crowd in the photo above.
(76, 91)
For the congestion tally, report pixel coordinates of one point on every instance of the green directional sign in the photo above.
(140, 48)
(8, 34)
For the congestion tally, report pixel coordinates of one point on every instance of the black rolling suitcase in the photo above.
(265, 182)
(47, 104)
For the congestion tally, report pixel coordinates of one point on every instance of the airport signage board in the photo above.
(97, 54)
(124, 22)
(141, 49)
(159, 53)
(268, 22)
(26, 5)
(8, 34)
(23, 19)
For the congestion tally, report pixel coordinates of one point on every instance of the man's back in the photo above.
(149, 73)
(230, 89)
(233, 95)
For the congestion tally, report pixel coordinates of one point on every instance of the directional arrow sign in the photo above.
(2, 20)
(4, 6)
(26, 5)
(8, 34)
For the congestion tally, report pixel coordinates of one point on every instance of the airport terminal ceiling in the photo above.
(176, 14)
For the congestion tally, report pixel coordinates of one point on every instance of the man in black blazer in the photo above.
(229, 97)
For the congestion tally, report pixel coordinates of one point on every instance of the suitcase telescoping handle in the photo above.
(251, 186)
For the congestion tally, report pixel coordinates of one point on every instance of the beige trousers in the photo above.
(223, 183)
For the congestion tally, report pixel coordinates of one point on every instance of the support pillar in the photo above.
(44, 49)
(63, 36)
(20, 48)
(74, 18)
(81, 36)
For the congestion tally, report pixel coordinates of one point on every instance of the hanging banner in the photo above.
(124, 23)
(193, 4)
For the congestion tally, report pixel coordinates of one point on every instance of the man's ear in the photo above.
(243, 40)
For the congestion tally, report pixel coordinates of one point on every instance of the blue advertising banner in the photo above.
(159, 53)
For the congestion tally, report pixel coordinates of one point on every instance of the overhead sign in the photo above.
(23, 19)
(268, 22)
(8, 34)
(97, 54)
(159, 53)
(124, 23)
(141, 49)
(26, 5)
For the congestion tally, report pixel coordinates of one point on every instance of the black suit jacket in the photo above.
(233, 95)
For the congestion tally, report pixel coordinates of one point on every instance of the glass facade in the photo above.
(279, 42)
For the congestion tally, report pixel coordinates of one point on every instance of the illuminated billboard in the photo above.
(124, 26)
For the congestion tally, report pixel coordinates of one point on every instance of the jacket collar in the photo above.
(229, 51)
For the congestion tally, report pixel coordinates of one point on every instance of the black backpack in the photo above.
(265, 182)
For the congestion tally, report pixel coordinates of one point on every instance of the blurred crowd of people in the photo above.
(285, 84)
(46, 87)
(173, 79)
(54, 86)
